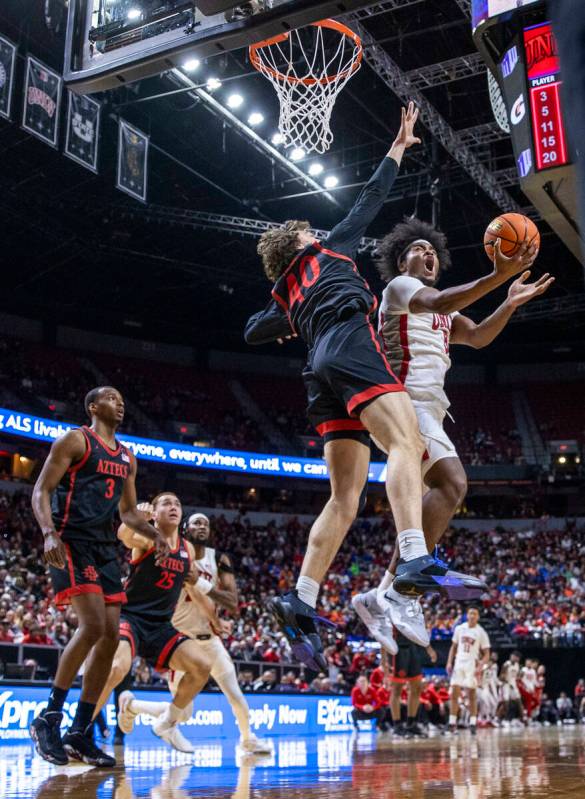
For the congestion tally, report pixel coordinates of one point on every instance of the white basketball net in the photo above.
(498, 103)
(308, 68)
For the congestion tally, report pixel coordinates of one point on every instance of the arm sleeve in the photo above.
(345, 236)
(268, 325)
(399, 292)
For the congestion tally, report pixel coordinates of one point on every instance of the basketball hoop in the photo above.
(308, 67)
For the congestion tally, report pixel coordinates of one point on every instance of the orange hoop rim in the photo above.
(332, 24)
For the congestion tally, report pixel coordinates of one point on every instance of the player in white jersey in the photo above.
(216, 581)
(488, 693)
(469, 653)
(511, 708)
(418, 323)
(528, 685)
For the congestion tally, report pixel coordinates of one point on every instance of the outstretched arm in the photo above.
(345, 237)
(429, 300)
(465, 331)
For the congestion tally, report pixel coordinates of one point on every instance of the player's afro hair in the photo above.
(393, 246)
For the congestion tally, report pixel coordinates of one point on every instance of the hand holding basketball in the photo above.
(520, 291)
(523, 258)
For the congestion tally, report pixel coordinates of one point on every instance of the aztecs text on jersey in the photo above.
(86, 499)
(153, 589)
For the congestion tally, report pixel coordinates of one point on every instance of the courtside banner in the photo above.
(35, 427)
(212, 717)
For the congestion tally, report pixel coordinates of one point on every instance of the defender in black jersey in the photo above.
(152, 590)
(88, 477)
(407, 670)
(319, 294)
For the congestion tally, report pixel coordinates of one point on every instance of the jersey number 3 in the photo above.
(110, 485)
(167, 580)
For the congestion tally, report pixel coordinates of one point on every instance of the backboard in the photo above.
(114, 42)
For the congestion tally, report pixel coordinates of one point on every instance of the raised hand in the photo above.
(405, 135)
(520, 291)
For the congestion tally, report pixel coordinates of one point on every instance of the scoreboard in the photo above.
(544, 85)
(517, 41)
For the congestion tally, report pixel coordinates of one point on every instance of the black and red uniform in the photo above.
(322, 297)
(153, 591)
(83, 509)
(407, 663)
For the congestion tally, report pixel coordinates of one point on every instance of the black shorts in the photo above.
(90, 568)
(407, 663)
(155, 641)
(346, 370)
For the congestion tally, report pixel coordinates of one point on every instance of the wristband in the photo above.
(204, 585)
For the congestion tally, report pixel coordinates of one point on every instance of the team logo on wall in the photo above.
(518, 111)
(509, 61)
(7, 61)
(83, 128)
(42, 100)
(132, 161)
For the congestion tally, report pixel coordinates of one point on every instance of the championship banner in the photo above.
(42, 100)
(132, 161)
(7, 61)
(83, 129)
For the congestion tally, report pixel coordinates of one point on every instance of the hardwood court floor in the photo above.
(534, 763)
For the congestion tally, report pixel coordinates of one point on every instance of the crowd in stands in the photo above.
(161, 396)
(536, 580)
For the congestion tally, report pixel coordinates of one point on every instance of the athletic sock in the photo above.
(452, 720)
(410, 721)
(155, 709)
(473, 721)
(308, 590)
(174, 713)
(387, 581)
(83, 717)
(411, 544)
(57, 699)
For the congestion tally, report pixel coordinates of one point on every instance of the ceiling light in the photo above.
(134, 13)
(191, 65)
(331, 182)
(297, 154)
(316, 168)
(278, 138)
(256, 118)
(235, 100)
(213, 83)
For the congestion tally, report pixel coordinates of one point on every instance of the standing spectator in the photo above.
(365, 702)
(362, 661)
(564, 708)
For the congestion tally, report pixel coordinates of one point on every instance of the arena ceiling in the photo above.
(76, 250)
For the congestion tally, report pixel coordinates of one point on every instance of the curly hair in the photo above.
(393, 247)
(278, 246)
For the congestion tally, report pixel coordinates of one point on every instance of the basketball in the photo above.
(513, 230)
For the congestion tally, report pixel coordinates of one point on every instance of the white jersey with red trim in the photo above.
(471, 641)
(529, 679)
(417, 345)
(188, 617)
